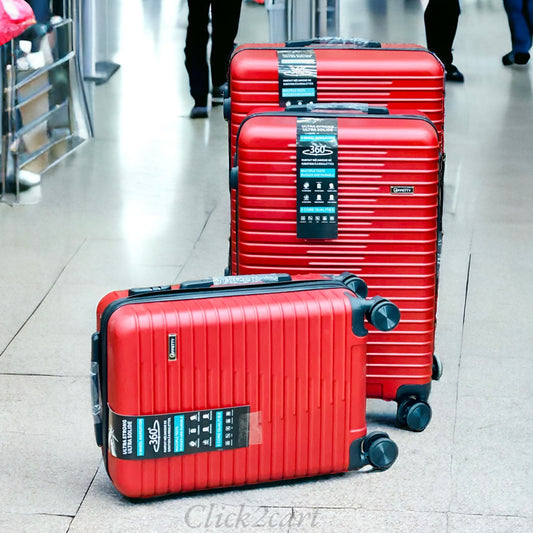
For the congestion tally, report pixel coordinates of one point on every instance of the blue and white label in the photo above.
(165, 435)
(140, 437)
(297, 77)
(179, 433)
(298, 93)
(317, 178)
(318, 173)
(219, 426)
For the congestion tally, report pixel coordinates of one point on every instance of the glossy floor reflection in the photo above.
(146, 202)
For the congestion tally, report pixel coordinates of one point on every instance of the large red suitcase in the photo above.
(378, 216)
(207, 387)
(399, 76)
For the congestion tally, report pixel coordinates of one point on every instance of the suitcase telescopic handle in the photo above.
(235, 280)
(341, 106)
(333, 41)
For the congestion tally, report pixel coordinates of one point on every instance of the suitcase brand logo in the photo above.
(172, 347)
(154, 436)
(402, 189)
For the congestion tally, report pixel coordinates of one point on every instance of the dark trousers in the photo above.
(440, 19)
(225, 16)
(41, 10)
(520, 16)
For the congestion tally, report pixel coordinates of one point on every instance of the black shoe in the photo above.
(508, 59)
(453, 74)
(518, 58)
(521, 58)
(199, 111)
(217, 96)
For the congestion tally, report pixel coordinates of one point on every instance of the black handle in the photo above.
(95, 389)
(226, 107)
(142, 290)
(333, 41)
(339, 106)
(235, 280)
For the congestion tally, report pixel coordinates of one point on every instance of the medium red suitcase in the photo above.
(366, 200)
(208, 387)
(399, 76)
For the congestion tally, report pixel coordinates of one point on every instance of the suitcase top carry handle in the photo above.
(234, 280)
(339, 106)
(334, 41)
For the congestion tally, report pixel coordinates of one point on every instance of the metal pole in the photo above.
(5, 131)
(288, 14)
(313, 13)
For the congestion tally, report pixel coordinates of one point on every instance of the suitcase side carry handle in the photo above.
(333, 41)
(339, 106)
(95, 389)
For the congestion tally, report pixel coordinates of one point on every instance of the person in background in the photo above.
(520, 17)
(225, 15)
(440, 20)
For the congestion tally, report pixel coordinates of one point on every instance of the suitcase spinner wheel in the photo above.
(381, 450)
(413, 414)
(437, 368)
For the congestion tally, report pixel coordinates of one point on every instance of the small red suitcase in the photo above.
(399, 76)
(371, 207)
(207, 387)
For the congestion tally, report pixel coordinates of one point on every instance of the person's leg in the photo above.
(528, 11)
(41, 10)
(196, 51)
(520, 31)
(225, 15)
(441, 19)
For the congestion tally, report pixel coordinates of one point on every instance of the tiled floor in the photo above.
(146, 202)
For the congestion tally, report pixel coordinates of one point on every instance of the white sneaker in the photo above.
(28, 179)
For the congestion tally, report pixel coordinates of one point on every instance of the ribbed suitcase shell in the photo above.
(399, 76)
(388, 240)
(292, 356)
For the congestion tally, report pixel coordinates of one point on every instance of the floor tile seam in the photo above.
(516, 397)
(195, 245)
(84, 497)
(17, 513)
(453, 488)
(45, 296)
(42, 375)
(490, 515)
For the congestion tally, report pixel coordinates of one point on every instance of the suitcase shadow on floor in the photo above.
(301, 482)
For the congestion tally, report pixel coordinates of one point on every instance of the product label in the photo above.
(317, 178)
(250, 278)
(297, 77)
(152, 437)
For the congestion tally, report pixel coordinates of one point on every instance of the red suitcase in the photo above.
(208, 387)
(380, 220)
(399, 76)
